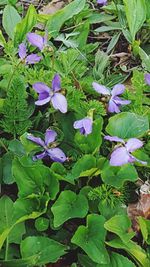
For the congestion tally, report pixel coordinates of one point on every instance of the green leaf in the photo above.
(85, 166)
(91, 239)
(116, 176)
(16, 147)
(145, 59)
(2, 39)
(30, 261)
(6, 221)
(133, 250)
(136, 14)
(92, 142)
(26, 25)
(10, 20)
(113, 42)
(116, 260)
(8, 177)
(68, 206)
(127, 125)
(48, 250)
(120, 225)
(41, 224)
(145, 229)
(56, 21)
(28, 145)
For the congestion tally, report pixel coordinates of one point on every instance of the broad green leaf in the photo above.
(145, 59)
(28, 262)
(136, 14)
(145, 229)
(85, 166)
(127, 125)
(16, 147)
(6, 221)
(2, 39)
(24, 209)
(28, 145)
(134, 250)
(120, 225)
(69, 206)
(91, 239)
(113, 42)
(116, 260)
(41, 224)
(8, 177)
(116, 176)
(26, 25)
(10, 20)
(48, 250)
(99, 18)
(56, 20)
(92, 142)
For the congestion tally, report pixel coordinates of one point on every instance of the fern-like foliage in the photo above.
(15, 112)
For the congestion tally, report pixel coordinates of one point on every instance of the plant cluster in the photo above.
(75, 135)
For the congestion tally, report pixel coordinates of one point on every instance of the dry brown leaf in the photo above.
(53, 7)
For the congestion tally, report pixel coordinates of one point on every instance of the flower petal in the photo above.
(78, 124)
(33, 58)
(40, 87)
(101, 89)
(147, 78)
(140, 161)
(56, 83)
(118, 89)
(56, 154)
(119, 157)
(22, 51)
(36, 140)
(120, 101)
(42, 101)
(59, 102)
(40, 156)
(87, 124)
(102, 2)
(36, 40)
(114, 139)
(112, 107)
(50, 136)
(133, 144)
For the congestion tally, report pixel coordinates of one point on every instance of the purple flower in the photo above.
(114, 101)
(30, 59)
(147, 78)
(55, 153)
(122, 155)
(102, 2)
(47, 94)
(37, 40)
(84, 125)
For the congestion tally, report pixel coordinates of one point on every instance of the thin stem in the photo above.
(6, 250)
(11, 77)
(3, 145)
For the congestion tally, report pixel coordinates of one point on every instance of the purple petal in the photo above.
(41, 87)
(33, 58)
(117, 90)
(22, 51)
(87, 125)
(59, 102)
(36, 40)
(133, 144)
(114, 139)
(56, 83)
(42, 100)
(50, 136)
(102, 2)
(147, 78)
(112, 107)
(100, 89)
(40, 156)
(78, 124)
(119, 157)
(36, 140)
(56, 154)
(140, 161)
(120, 101)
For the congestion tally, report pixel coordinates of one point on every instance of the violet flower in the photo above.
(84, 125)
(114, 101)
(102, 2)
(47, 94)
(30, 59)
(37, 40)
(122, 155)
(147, 78)
(55, 153)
